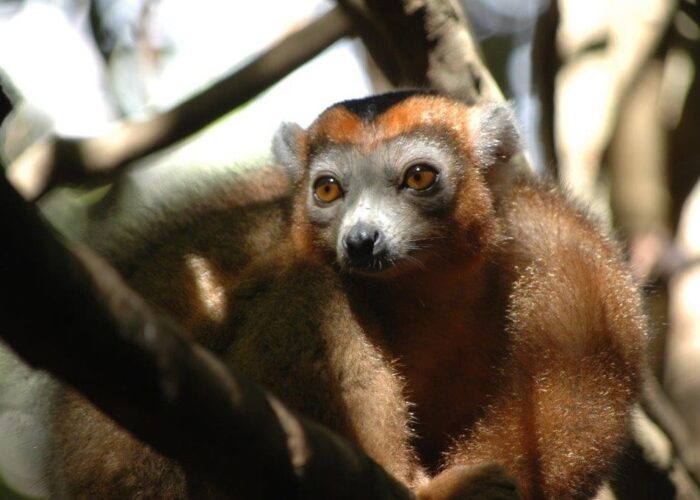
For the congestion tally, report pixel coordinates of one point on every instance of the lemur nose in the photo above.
(363, 242)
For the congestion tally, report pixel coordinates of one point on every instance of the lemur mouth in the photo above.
(373, 265)
(383, 266)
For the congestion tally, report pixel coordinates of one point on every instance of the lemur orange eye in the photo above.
(420, 177)
(327, 189)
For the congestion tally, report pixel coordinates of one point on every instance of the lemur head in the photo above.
(385, 183)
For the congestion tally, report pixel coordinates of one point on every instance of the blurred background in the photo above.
(606, 91)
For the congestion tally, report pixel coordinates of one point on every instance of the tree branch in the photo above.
(663, 413)
(545, 65)
(424, 43)
(70, 313)
(70, 161)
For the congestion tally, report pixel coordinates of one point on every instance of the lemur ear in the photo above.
(286, 147)
(494, 132)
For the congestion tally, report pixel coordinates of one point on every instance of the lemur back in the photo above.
(394, 295)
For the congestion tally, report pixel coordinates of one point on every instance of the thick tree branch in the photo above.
(65, 161)
(545, 65)
(70, 313)
(424, 43)
(600, 67)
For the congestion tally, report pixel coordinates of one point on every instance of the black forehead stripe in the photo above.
(369, 108)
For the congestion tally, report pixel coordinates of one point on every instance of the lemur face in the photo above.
(380, 207)
(386, 183)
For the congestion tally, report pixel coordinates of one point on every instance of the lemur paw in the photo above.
(483, 482)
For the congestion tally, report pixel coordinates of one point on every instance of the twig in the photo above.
(71, 314)
(65, 161)
(662, 412)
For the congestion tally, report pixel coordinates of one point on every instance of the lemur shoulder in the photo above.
(393, 294)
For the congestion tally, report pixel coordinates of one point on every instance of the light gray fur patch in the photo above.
(285, 148)
(495, 133)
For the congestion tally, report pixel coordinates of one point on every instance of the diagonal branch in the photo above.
(424, 43)
(69, 161)
(70, 313)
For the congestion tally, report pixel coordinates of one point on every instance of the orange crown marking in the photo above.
(338, 125)
(341, 126)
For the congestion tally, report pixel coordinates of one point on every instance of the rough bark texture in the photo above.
(426, 44)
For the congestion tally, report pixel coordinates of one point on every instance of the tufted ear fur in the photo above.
(495, 134)
(286, 147)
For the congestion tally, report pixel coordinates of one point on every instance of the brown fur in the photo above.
(519, 342)
(526, 340)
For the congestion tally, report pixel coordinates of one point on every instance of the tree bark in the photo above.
(68, 312)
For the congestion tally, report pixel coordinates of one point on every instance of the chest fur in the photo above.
(448, 344)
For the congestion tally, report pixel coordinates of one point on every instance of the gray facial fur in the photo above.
(374, 195)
